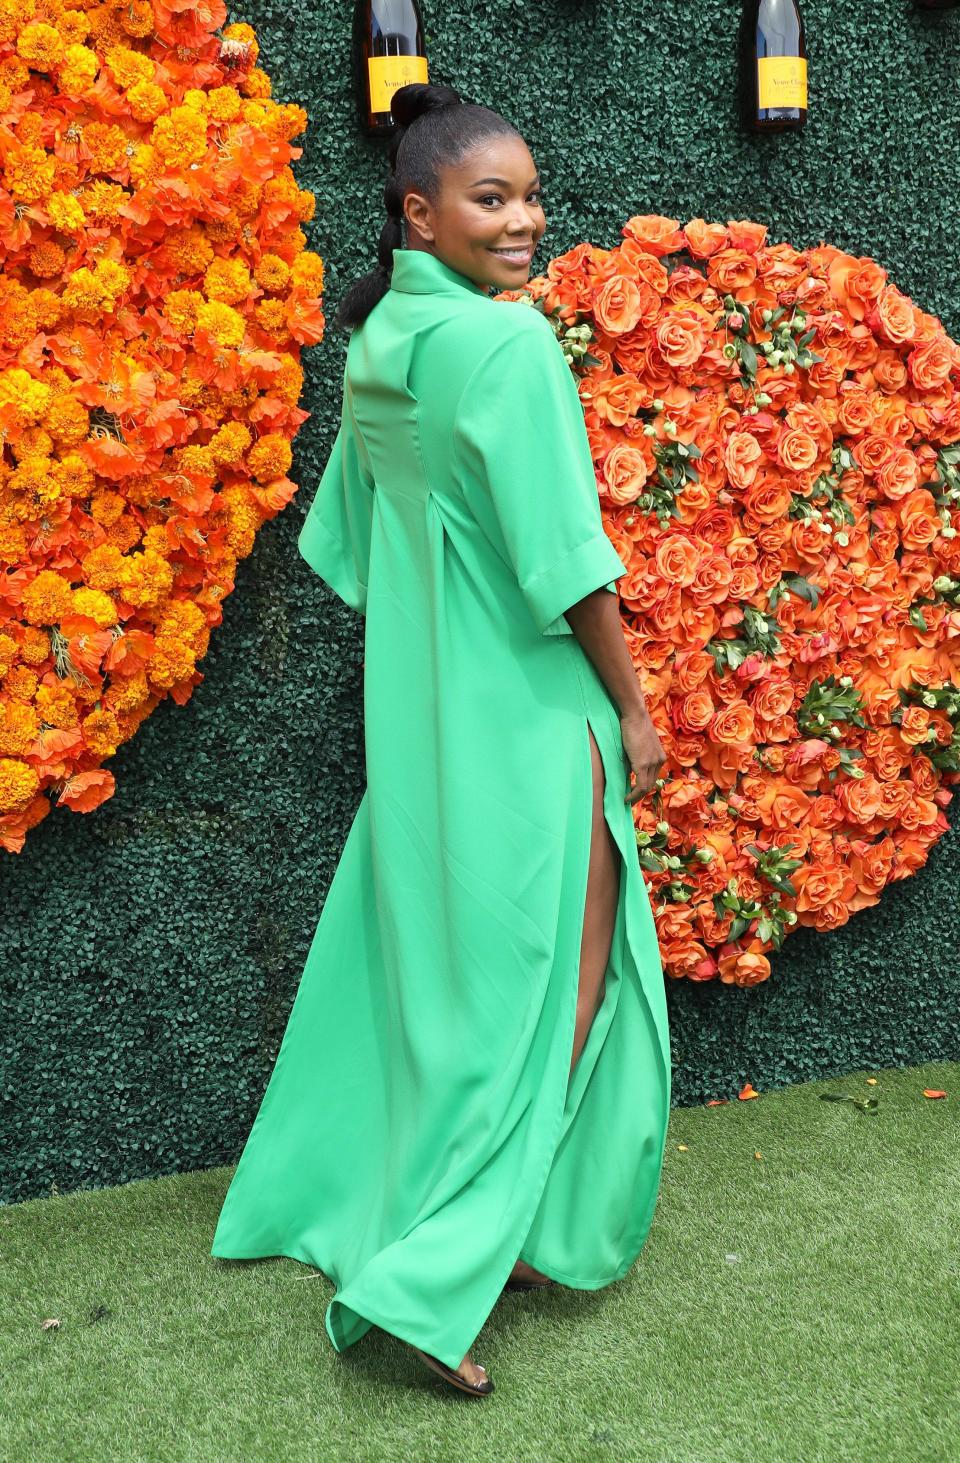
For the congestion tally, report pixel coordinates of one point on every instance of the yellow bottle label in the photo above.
(389, 73)
(782, 81)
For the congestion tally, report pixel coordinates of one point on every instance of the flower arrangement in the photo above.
(155, 294)
(776, 436)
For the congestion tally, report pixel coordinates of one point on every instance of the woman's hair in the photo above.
(435, 129)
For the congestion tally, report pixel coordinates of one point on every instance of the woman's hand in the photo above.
(644, 752)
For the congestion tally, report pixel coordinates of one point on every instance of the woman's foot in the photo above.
(469, 1376)
(471, 1371)
(529, 1276)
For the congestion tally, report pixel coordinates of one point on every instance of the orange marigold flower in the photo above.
(34, 646)
(224, 324)
(19, 725)
(103, 567)
(128, 67)
(101, 732)
(227, 280)
(136, 17)
(28, 173)
(97, 604)
(229, 443)
(272, 272)
(306, 272)
(40, 45)
(147, 100)
(145, 578)
(78, 71)
(108, 147)
(66, 213)
(56, 706)
(180, 136)
(127, 692)
(172, 661)
(270, 457)
(47, 598)
(13, 543)
(21, 683)
(19, 785)
(46, 259)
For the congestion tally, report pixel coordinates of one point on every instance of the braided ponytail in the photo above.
(435, 128)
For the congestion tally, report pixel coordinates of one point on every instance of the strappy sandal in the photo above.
(478, 1389)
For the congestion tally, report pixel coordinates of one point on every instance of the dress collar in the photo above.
(417, 272)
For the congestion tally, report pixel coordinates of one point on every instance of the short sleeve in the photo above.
(335, 537)
(527, 470)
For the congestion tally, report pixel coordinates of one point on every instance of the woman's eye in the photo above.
(537, 193)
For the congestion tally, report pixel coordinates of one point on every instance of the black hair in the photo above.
(435, 128)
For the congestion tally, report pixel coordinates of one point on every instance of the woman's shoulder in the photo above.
(499, 327)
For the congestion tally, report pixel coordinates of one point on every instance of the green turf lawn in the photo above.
(802, 1304)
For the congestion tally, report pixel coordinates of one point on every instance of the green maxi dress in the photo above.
(418, 1133)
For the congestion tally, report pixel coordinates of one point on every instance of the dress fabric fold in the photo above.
(420, 1130)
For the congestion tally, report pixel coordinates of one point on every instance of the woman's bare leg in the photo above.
(603, 893)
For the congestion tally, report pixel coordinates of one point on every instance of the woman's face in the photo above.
(488, 202)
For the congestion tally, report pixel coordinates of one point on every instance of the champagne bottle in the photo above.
(388, 53)
(773, 66)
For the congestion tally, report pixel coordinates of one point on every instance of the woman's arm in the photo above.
(595, 621)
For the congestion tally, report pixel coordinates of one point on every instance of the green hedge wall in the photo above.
(152, 950)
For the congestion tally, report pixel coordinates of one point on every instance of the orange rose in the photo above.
(744, 967)
(618, 399)
(855, 413)
(693, 713)
(625, 471)
(797, 450)
(677, 559)
(914, 725)
(783, 805)
(690, 667)
(657, 235)
(772, 698)
(704, 239)
(817, 884)
(930, 365)
(856, 283)
(742, 458)
(920, 523)
(616, 305)
(899, 474)
(747, 235)
(731, 269)
(681, 335)
(893, 315)
(733, 724)
(808, 539)
(768, 501)
(889, 371)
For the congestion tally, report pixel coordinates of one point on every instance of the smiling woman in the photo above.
(474, 1084)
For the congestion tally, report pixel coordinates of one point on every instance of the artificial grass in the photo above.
(799, 1305)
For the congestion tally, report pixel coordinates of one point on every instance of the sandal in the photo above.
(518, 1284)
(474, 1389)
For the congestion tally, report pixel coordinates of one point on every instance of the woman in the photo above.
(473, 1088)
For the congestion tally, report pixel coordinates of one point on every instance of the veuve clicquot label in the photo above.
(387, 73)
(773, 65)
(782, 81)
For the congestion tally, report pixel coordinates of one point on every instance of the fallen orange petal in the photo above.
(717, 1102)
(933, 1092)
(747, 1091)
